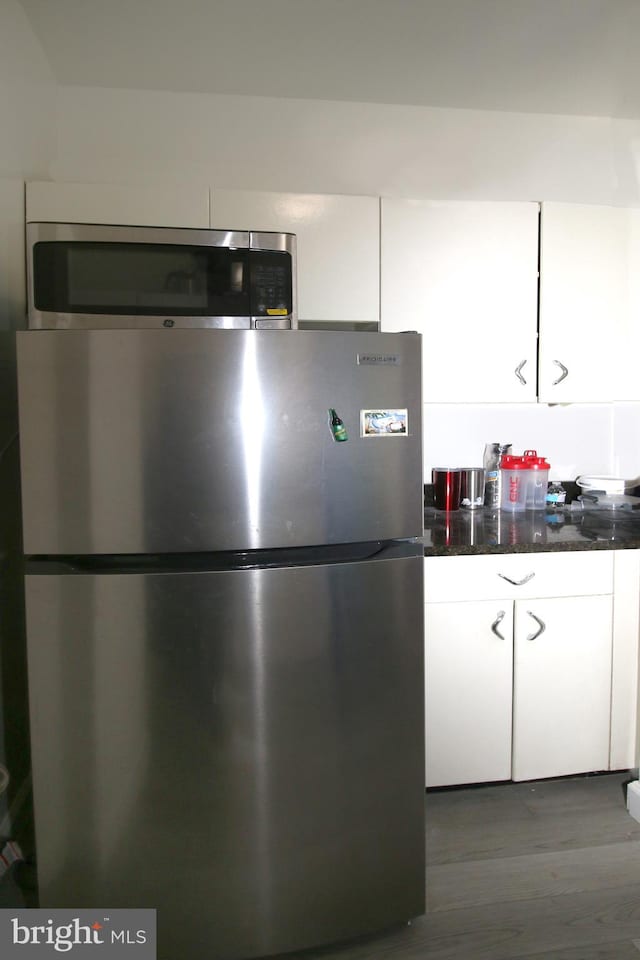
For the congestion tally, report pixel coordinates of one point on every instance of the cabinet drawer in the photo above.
(516, 576)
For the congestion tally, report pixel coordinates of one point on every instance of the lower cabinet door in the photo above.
(468, 671)
(562, 686)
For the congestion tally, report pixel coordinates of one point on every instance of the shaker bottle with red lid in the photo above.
(515, 479)
(536, 494)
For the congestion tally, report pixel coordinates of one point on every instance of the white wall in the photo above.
(12, 279)
(27, 98)
(575, 438)
(337, 147)
(319, 146)
(27, 147)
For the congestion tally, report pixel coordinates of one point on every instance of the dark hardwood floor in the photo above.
(548, 870)
(545, 871)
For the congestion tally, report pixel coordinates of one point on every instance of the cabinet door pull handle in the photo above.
(565, 372)
(496, 623)
(541, 626)
(518, 373)
(517, 583)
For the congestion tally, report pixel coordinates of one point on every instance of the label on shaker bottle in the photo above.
(492, 488)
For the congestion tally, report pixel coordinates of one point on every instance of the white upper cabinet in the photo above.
(465, 275)
(338, 246)
(589, 303)
(129, 205)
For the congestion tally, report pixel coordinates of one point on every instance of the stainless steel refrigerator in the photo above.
(224, 628)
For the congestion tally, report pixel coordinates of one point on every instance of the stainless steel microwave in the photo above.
(88, 275)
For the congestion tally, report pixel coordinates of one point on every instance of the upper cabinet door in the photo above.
(465, 276)
(128, 205)
(588, 303)
(338, 246)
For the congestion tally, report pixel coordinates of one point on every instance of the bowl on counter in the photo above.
(590, 483)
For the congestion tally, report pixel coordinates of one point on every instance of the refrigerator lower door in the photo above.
(241, 750)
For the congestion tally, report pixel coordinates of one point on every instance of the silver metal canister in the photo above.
(471, 487)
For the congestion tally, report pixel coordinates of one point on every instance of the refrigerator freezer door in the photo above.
(244, 748)
(150, 441)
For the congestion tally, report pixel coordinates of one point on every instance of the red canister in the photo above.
(446, 487)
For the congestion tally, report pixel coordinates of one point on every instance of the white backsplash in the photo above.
(625, 454)
(575, 438)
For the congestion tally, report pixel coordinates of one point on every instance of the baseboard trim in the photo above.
(633, 799)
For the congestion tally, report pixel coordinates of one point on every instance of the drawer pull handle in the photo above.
(541, 626)
(518, 373)
(565, 372)
(496, 623)
(517, 583)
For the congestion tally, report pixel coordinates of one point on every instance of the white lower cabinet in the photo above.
(561, 686)
(519, 685)
(469, 667)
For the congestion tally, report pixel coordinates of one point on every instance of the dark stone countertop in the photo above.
(487, 531)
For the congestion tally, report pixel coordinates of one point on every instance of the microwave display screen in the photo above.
(160, 279)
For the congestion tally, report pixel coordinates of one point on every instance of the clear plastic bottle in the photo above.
(538, 467)
(515, 479)
(556, 495)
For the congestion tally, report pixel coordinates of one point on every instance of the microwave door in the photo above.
(87, 277)
(141, 284)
